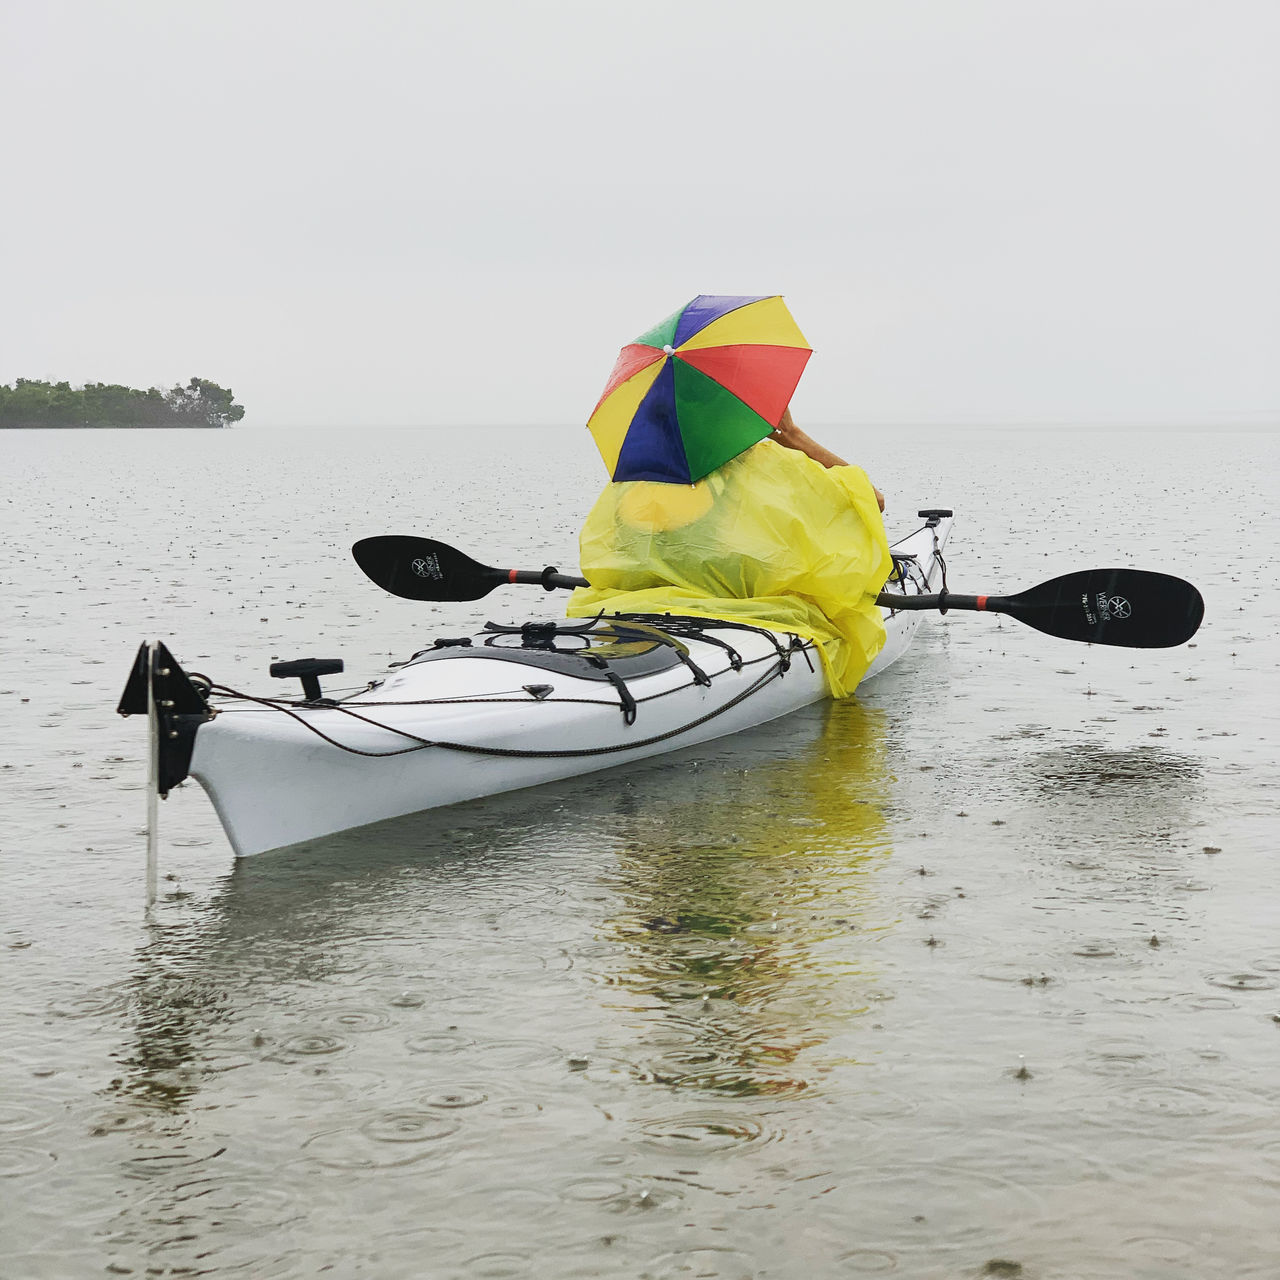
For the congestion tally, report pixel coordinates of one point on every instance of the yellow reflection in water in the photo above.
(749, 906)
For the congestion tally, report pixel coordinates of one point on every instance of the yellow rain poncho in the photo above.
(771, 538)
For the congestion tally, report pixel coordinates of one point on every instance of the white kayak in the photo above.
(496, 711)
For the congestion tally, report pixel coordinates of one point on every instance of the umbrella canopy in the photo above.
(699, 388)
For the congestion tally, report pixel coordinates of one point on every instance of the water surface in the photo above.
(979, 970)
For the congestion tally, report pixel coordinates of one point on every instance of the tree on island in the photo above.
(200, 403)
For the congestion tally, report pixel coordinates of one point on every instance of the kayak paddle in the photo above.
(423, 569)
(1130, 607)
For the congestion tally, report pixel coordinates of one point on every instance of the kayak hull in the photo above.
(454, 726)
(240, 756)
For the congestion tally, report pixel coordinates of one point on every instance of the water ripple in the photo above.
(24, 1162)
(509, 1055)
(409, 1126)
(499, 1266)
(951, 1203)
(255, 1202)
(189, 1257)
(1119, 1057)
(357, 1018)
(867, 1261)
(1194, 1107)
(703, 1130)
(438, 1042)
(707, 1262)
(312, 1044)
(165, 1163)
(740, 1082)
(355, 1150)
(1243, 981)
(456, 1098)
(408, 1000)
(1208, 1003)
(517, 1108)
(124, 1120)
(594, 1190)
(519, 1200)
(18, 1117)
(1094, 950)
(98, 1003)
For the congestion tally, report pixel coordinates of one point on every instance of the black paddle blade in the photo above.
(423, 569)
(1129, 607)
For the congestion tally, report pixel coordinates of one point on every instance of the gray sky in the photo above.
(400, 213)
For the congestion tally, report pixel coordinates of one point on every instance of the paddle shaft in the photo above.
(889, 599)
(547, 578)
(943, 601)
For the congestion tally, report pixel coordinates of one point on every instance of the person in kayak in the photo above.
(785, 536)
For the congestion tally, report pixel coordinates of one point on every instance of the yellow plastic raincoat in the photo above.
(771, 538)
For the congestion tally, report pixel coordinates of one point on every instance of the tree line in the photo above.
(201, 403)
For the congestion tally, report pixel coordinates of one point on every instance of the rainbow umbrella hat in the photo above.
(699, 388)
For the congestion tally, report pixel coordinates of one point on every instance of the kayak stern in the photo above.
(177, 705)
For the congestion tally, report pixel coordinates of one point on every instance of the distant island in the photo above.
(98, 404)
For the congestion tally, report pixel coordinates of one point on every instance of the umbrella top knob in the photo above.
(668, 349)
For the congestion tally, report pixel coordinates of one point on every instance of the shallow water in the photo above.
(977, 971)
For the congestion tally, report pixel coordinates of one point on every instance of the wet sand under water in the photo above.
(977, 974)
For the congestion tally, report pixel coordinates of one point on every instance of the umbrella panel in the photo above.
(763, 378)
(706, 309)
(652, 448)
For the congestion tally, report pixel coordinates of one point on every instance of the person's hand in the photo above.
(787, 434)
(790, 436)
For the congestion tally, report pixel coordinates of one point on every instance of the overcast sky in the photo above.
(418, 212)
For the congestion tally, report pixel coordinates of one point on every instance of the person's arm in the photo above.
(790, 436)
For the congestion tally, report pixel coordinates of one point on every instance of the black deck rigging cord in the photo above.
(421, 744)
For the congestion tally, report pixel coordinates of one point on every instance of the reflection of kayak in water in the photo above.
(500, 710)
(654, 874)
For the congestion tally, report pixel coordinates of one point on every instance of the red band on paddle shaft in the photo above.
(511, 574)
(982, 604)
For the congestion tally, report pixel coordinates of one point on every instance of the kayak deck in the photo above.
(441, 732)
